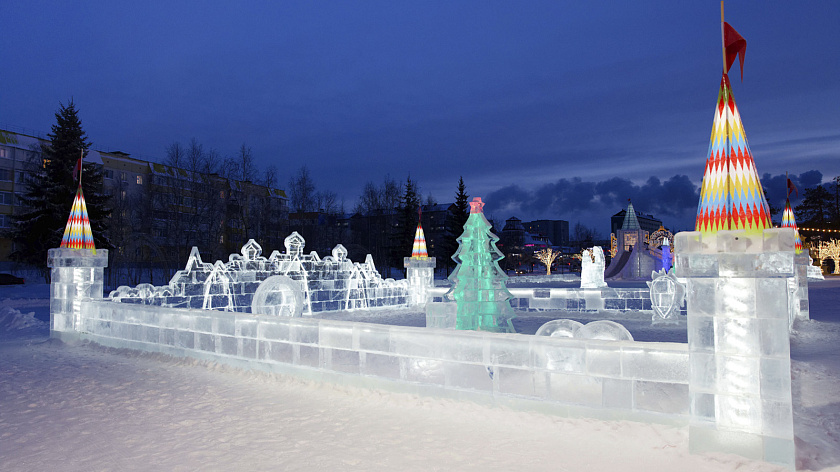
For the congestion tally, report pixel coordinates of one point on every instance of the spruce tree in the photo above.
(43, 208)
(815, 210)
(455, 224)
(407, 220)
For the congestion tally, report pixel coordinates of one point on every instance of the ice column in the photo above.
(738, 341)
(420, 273)
(76, 274)
(800, 305)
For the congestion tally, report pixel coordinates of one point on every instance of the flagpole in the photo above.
(722, 38)
(726, 137)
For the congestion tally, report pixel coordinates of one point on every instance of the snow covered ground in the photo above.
(83, 407)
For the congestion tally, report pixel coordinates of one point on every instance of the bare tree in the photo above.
(302, 191)
(326, 201)
(175, 155)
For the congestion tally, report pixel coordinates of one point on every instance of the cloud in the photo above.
(674, 200)
(775, 187)
(594, 202)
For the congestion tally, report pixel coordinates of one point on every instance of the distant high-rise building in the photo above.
(557, 231)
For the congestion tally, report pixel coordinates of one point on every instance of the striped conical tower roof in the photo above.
(419, 248)
(731, 196)
(789, 221)
(77, 234)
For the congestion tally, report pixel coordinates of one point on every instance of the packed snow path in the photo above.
(81, 407)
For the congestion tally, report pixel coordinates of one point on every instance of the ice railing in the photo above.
(290, 283)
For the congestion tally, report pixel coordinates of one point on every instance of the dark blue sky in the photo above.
(548, 109)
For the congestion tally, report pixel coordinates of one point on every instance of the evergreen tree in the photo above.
(816, 208)
(478, 283)
(50, 188)
(456, 224)
(408, 222)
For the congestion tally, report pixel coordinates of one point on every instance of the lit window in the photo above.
(123, 177)
(139, 180)
(4, 153)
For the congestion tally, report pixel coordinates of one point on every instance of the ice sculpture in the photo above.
(290, 284)
(666, 296)
(559, 328)
(604, 330)
(420, 268)
(814, 272)
(478, 283)
(592, 268)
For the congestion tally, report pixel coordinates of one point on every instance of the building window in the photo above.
(6, 198)
(109, 174)
(4, 153)
(123, 177)
(6, 175)
(5, 221)
(139, 180)
(21, 177)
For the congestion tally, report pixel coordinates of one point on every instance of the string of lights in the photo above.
(820, 230)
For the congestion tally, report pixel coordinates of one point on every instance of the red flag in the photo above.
(77, 169)
(735, 45)
(791, 188)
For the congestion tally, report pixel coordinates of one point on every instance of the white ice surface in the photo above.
(82, 407)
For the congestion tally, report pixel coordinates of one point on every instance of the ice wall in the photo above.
(738, 341)
(578, 377)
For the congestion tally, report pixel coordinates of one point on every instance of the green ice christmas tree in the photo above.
(478, 284)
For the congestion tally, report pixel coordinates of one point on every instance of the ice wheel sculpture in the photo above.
(278, 295)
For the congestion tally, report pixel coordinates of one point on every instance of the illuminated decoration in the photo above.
(829, 250)
(547, 256)
(77, 233)
(820, 230)
(789, 221)
(666, 255)
(659, 236)
(613, 245)
(478, 283)
(731, 196)
(419, 248)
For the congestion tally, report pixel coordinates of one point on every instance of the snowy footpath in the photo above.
(69, 407)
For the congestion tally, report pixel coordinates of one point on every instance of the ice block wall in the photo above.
(77, 274)
(738, 341)
(592, 378)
